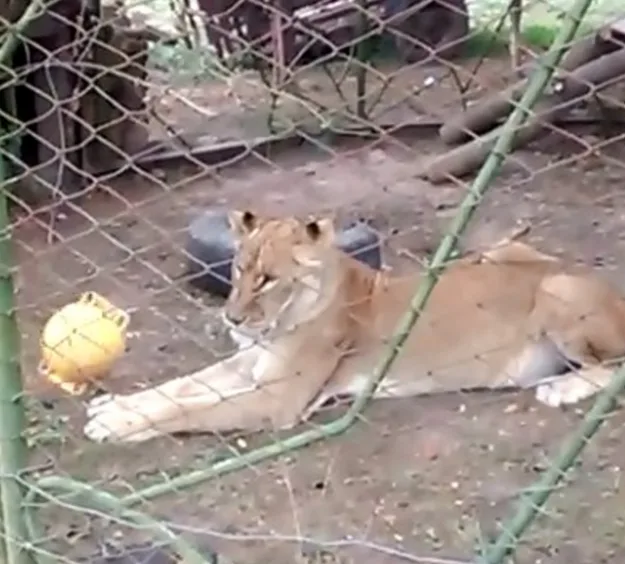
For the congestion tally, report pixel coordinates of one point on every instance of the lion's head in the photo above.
(281, 272)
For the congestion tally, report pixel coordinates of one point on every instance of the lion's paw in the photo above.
(98, 402)
(97, 431)
(565, 392)
(110, 419)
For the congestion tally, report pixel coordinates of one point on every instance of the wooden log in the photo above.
(583, 81)
(52, 85)
(48, 23)
(421, 30)
(112, 105)
(485, 114)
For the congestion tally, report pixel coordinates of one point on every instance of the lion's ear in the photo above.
(321, 230)
(242, 222)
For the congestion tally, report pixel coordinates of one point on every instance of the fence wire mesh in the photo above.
(221, 226)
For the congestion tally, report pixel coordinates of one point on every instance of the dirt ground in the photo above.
(414, 478)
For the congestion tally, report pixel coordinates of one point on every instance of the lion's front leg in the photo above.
(253, 390)
(165, 409)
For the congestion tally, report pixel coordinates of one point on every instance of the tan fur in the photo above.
(319, 320)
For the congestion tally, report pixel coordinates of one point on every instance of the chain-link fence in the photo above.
(239, 337)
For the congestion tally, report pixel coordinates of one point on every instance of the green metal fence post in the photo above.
(13, 450)
(533, 500)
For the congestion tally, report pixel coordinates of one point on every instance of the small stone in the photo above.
(511, 408)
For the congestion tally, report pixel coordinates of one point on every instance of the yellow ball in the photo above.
(81, 341)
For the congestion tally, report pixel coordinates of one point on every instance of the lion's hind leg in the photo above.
(514, 251)
(583, 317)
(574, 387)
(561, 373)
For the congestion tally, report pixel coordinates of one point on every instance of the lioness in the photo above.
(317, 322)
